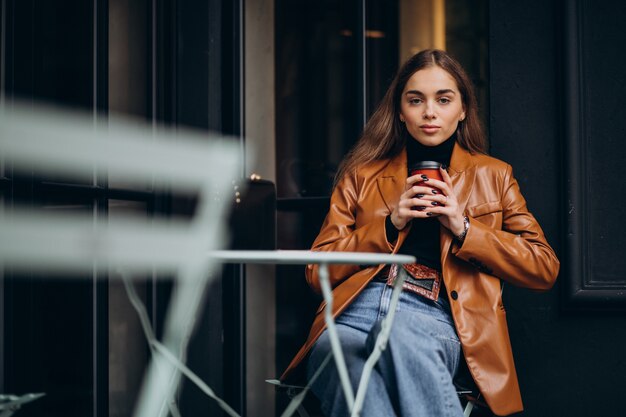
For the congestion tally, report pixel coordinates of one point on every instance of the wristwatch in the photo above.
(466, 226)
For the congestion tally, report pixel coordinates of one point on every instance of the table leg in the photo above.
(334, 338)
(381, 343)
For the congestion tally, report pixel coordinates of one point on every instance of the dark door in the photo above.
(556, 92)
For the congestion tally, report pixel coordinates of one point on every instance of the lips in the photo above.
(430, 128)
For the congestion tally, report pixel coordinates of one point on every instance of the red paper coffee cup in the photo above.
(428, 168)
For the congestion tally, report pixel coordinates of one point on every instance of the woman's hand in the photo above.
(413, 202)
(420, 201)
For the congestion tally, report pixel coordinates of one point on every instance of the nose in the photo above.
(429, 111)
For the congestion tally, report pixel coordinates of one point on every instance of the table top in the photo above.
(302, 257)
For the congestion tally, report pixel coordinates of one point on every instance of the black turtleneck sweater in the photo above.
(423, 239)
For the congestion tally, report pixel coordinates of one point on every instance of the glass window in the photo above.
(316, 93)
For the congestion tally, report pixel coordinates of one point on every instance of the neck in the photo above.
(440, 153)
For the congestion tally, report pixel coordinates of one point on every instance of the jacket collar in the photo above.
(392, 180)
(462, 171)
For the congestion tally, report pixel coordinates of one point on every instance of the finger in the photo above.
(428, 200)
(442, 186)
(412, 213)
(417, 191)
(412, 207)
(416, 179)
(421, 204)
(438, 210)
(442, 210)
(446, 177)
(412, 202)
(421, 212)
(431, 200)
(437, 199)
(432, 214)
(435, 191)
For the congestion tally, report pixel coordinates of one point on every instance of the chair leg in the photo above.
(302, 411)
(468, 408)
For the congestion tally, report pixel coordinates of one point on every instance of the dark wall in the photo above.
(570, 361)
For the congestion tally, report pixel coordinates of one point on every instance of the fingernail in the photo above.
(419, 195)
(434, 203)
(420, 208)
(430, 214)
(434, 191)
(425, 177)
(444, 166)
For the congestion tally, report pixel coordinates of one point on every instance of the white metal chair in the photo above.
(71, 144)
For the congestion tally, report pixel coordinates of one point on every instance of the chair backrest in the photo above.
(72, 145)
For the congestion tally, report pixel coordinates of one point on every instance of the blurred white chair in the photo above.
(9, 404)
(70, 144)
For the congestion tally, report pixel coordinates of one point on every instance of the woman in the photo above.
(469, 233)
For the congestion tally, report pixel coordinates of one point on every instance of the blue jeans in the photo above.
(414, 375)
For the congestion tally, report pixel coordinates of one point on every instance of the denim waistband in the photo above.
(372, 305)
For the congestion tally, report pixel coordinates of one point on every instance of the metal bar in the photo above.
(334, 337)
(113, 150)
(91, 191)
(381, 343)
(303, 257)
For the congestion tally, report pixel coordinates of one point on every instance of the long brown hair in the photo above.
(384, 136)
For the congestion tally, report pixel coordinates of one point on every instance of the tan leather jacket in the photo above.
(504, 242)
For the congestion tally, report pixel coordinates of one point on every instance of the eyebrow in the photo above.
(439, 92)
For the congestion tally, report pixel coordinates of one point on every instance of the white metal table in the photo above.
(291, 257)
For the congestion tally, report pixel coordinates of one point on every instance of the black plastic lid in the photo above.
(425, 165)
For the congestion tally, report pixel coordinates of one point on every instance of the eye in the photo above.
(444, 100)
(415, 100)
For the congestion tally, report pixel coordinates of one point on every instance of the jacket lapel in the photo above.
(463, 173)
(391, 184)
(392, 180)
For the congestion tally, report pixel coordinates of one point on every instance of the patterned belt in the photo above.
(420, 279)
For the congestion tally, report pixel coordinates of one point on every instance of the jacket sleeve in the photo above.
(519, 253)
(339, 233)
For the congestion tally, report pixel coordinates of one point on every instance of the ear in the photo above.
(462, 117)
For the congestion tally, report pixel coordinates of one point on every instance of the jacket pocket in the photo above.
(485, 208)
(489, 213)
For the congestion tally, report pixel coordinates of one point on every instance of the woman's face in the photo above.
(431, 106)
